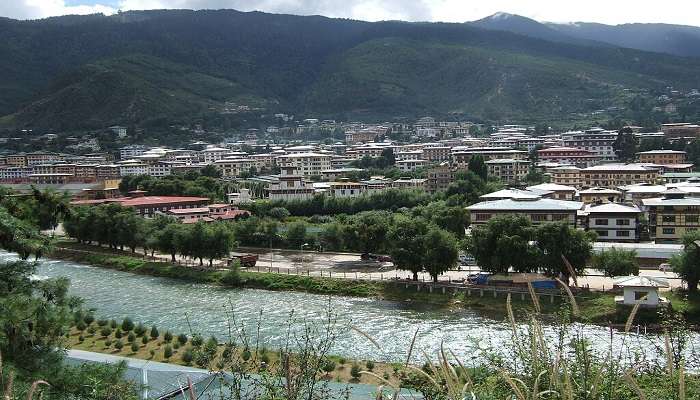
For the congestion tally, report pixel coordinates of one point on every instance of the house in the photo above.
(672, 215)
(243, 196)
(410, 165)
(662, 157)
(614, 175)
(538, 210)
(290, 186)
(409, 183)
(512, 194)
(612, 222)
(598, 195)
(439, 177)
(641, 289)
(307, 163)
(568, 155)
(565, 175)
(148, 206)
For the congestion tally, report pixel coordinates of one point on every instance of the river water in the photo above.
(206, 309)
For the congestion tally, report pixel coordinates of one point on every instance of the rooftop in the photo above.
(552, 187)
(641, 281)
(527, 204)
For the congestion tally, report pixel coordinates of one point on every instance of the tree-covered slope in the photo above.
(140, 67)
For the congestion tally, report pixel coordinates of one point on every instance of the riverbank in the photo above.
(596, 307)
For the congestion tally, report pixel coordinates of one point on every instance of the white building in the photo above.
(133, 167)
(290, 186)
(242, 197)
(131, 151)
(307, 164)
(612, 222)
(213, 153)
(642, 289)
(410, 165)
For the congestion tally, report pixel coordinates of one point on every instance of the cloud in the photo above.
(33, 9)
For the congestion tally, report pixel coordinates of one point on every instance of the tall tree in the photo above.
(617, 262)
(407, 245)
(441, 252)
(478, 166)
(625, 146)
(555, 240)
(687, 264)
(503, 243)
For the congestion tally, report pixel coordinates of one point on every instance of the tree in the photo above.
(466, 189)
(279, 213)
(687, 264)
(617, 262)
(625, 146)
(365, 232)
(478, 166)
(50, 207)
(296, 234)
(406, 243)
(210, 171)
(555, 240)
(504, 243)
(441, 252)
(218, 241)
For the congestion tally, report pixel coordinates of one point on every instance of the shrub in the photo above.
(212, 342)
(102, 322)
(328, 366)
(355, 371)
(118, 333)
(279, 213)
(81, 326)
(105, 331)
(232, 278)
(342, 360)
(176, 345)
(131, 337)
(119, 345)
(154, 332)
(182, 339)
(113, 324)
(167, 337)
(91, 330)
(144, 339)
(134, 347)
(127, 325)
(167, 352)
(245, 354)
(81, 338)
(187, 356)
(89, 318)
(197, 340)
(152, 353)
(108, 342)
(140, 330)
(265, 358)
(370, 365)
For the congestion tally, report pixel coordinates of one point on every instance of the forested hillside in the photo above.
(155, 66)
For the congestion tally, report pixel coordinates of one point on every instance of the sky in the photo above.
(685, 12)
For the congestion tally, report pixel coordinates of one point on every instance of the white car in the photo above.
(665, 267)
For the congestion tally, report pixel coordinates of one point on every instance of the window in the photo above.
(623, 222)
(602, 233)
(623, 233)
(669, 218)
(639, 295)
(693, 219)
(601, 221)
(538, 217)
(669, 231)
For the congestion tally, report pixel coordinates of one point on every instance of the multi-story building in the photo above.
(16, 160)
(213, 153)
(538, 210)
(107, 171)
(554, 191)
(437, 153)
(680, 130)
(409, 183)
(662, 157)
(566, 175)
(568, 156)
(461, 156)
(672, 215)
(410, 165)
(614, 175)
(234, 167)
(307, 164)
(131, 151)
(345, 188)
(290, 186)
(439, 177)
(596, 140)
(133, 167)
(40, 157)
(612, 222)
(508, 170)
(148, 206)
(161, 168)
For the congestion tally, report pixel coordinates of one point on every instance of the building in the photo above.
(131, 151)
(148, 206)
(133, 167)
(437, 153)
(508, 170)
(234, 167)
(242, 197)
(568, 156)
(598, 195)
(213, 153)
(461, 156)
(439, 177)
(555, 191)
(662, 157)
(565, 175)
(612, 222)
(306, 164)
(409, 183)
(672, 215)
(290, 186)
(597, 140)
(635, 193)
(410, 165)
(681, 130)
(538, 210)
(642, 290)
(614, 175)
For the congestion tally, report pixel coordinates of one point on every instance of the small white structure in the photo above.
(240, 198)
(642, 289)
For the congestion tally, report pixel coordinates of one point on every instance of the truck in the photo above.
(245, 260)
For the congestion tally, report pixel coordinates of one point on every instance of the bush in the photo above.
(113, 324)
(167, 352)
(370, 365)
(154, 332)
(328, 366)
(91, 329)
(89, 318)
(152, 353)
(127, 325)
(119, 345)
(265, 358)
(118, 333)
(355, 371)
(232, 278)
(279, 213)
(134, 347)
(140, 330)
(167, 337)
(182, 339)
(342, 360)
(131, 337)
(102, 322)
(176, 345)
(81, 326)
(108, 342)
(245, 354)
(81, 338)
(105, 331)
(197, 340)
(144, 339)
(187, 356)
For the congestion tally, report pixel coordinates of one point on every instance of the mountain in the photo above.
(529, 27)
(679, 40)
(157, 67)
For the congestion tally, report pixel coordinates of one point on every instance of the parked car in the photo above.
(664, 267)
(246, 260)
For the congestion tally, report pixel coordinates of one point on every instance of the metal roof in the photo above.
(641, 281)
(528, 204)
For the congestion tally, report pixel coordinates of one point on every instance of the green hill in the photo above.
(156, 67)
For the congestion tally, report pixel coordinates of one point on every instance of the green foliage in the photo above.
(154, 332)
(279, 213)
(145, 339)
(686, 264)
(127, 325)
(296, 234)
(131, 337)
(477, 165)
(105, 331)
(119, 345)
(441, 252)
(355, 371)
(370, 365)
(187, 356)
(134, 347)
(617, 262)
(182, 339)
(167, 351)
(139, 330)
(625, 146)
(167, 337)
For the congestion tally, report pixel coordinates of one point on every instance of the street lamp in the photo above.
(301, 248)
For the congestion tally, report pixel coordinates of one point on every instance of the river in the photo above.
(178, 306)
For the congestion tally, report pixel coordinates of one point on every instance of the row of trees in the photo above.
(120, 227)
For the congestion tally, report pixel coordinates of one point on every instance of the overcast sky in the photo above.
(604, 11)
